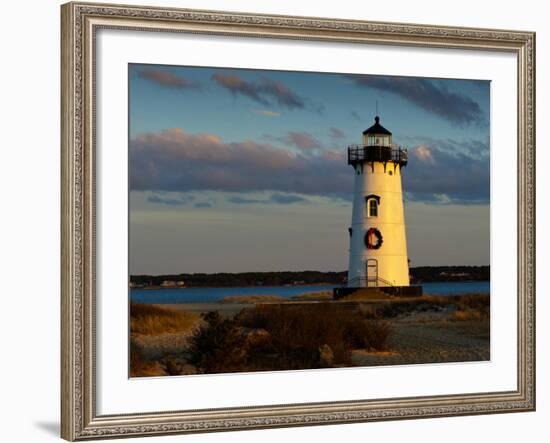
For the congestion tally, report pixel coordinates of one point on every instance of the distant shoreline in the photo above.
(237, 286)
(300, 285)
(419, 275)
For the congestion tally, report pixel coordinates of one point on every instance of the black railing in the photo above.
(358, 154)
(371, 281)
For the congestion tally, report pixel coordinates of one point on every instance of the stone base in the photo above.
(376, 292)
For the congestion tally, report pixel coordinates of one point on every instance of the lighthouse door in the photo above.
(372, 272)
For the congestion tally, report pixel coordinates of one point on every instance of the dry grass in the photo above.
(251, 298)
(466, 315)
(314, 296)
(468, 306)
(140, 366)
(149, 319)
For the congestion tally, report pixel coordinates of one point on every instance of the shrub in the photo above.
(297, 333)
(294, 337)
(217, 345)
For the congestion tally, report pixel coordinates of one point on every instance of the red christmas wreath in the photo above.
(373, 239)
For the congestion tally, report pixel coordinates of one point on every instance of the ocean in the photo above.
(212, 295)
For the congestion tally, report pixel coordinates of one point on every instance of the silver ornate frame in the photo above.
(80, 21)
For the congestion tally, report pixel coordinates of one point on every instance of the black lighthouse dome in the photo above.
(376, 129)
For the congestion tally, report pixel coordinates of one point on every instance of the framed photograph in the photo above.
(277, 221)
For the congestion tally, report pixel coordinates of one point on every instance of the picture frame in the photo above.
(79, 179)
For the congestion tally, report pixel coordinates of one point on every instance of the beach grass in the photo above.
(473, 306)
(149, 319)
(314, 296)
(255, 298)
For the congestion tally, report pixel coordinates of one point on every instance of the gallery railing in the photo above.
(363, 153)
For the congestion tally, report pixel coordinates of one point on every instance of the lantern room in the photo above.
(377, 135)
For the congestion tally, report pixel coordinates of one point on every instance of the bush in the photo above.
(299, 332)
(293, 337)
(217, 346)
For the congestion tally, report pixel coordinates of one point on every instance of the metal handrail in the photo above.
(367, 153)
(368, 279)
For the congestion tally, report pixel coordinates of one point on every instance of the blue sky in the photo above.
(244, 170)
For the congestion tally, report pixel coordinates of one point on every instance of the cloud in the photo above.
(336, 133)
(236, 85)
(266, 113)
(423, 153)
(301, 140)
(202, 205)
(244, 201)
(267, 92)
(356, 115)
(474, 148)
(175, 160)
(455, 107)
(167, 79)
(286, 199)
(436, 174)
(281, 93)
(170, 201)
(276, 198)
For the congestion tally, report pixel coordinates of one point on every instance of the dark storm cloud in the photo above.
(427, 94)
(167, 79)
(267, 92)
(174, 160)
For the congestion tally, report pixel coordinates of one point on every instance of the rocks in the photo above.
(154, 347)
(326, 356)
(178, 365)
(255, 337)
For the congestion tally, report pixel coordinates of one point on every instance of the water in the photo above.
(210, 295)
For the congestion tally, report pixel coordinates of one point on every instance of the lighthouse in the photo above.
(377, 235)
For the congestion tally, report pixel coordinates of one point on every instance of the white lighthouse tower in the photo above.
(378, 244)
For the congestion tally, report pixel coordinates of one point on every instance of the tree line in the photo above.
(418, 275)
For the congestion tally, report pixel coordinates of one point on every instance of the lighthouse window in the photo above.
(373, 207)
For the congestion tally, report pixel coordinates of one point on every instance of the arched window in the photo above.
(373, 208)
(372, 202)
